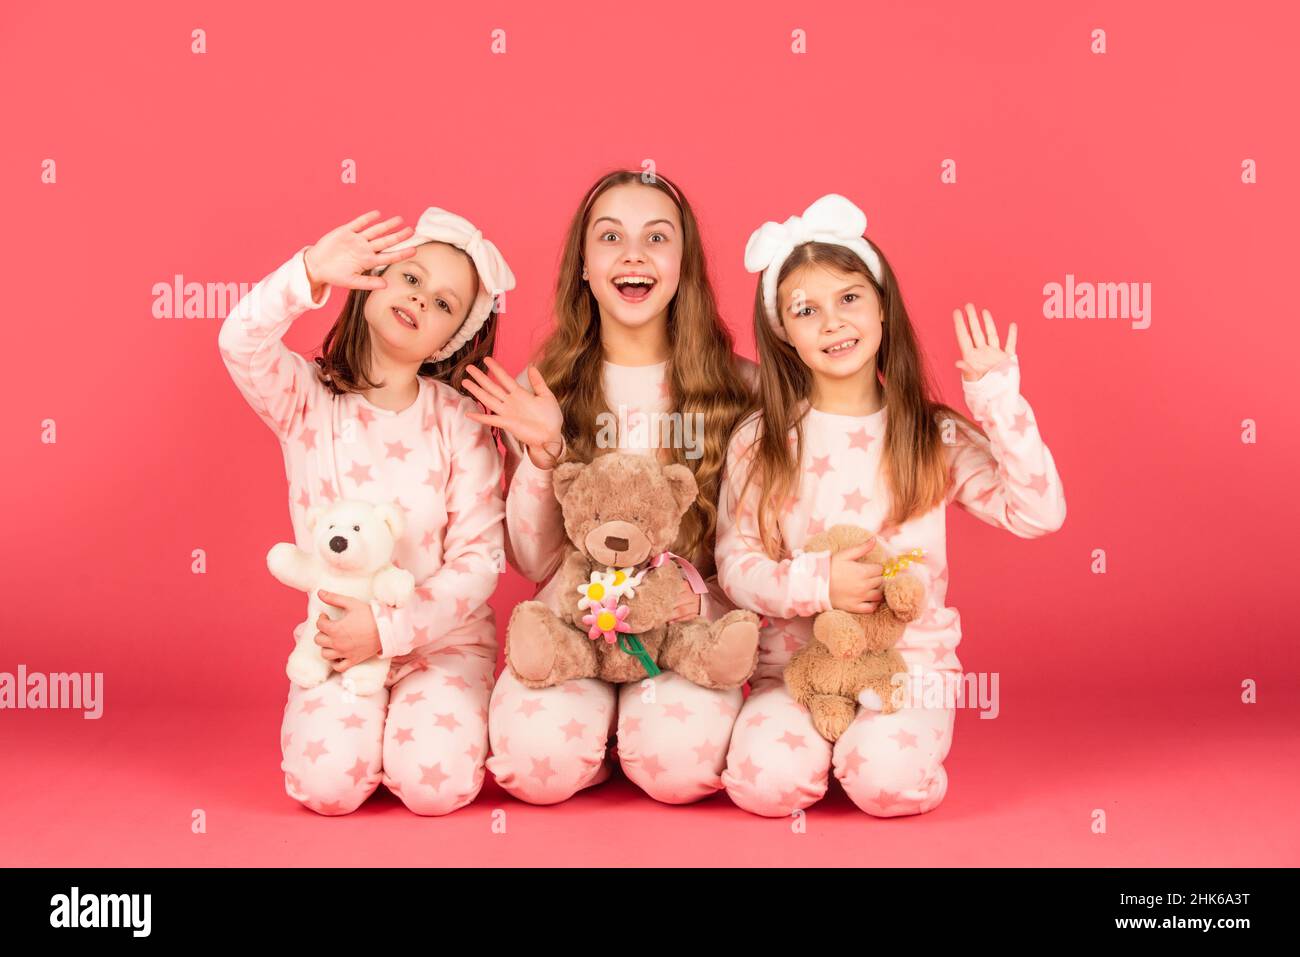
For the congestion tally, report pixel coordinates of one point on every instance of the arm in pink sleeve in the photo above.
(796, 587)
(1009, 479)
(275, 380)
(535, 538)
(472, 544)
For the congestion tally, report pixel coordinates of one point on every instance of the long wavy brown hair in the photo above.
(345, 352)
(701, 371)
(913, 458)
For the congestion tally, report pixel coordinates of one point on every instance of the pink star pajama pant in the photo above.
(424, 736)
(889, 765)
(672, 735)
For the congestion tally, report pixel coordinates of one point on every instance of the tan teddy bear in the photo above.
(622, 511)
(852, 653)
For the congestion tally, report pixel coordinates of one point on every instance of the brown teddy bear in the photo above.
(851, 653)
(622, 511)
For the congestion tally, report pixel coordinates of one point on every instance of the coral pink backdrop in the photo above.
(1119, 691)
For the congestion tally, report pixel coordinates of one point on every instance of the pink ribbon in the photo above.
(689, 571)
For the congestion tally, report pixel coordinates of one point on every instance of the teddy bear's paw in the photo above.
(365, 682)
(280, 560)
(905, 596)
(831, 715)
(530, 650)
(731, 659)
(840, 632)
(869, 698)
(307, 671)
(278, 553)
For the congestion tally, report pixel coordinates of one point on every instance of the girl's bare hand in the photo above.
(980, 349)
(688, 603)
(856, 587)
(351, 639)
(533, 418)
(343, 255)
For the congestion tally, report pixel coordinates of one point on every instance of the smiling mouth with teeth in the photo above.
(841, 347)
(634, 288)
(405, 318)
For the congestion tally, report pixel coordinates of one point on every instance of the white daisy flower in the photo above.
(595, 591)
(622, 582)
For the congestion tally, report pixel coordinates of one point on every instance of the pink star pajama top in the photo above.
(889, 764)
(425, 734)
(548, 744)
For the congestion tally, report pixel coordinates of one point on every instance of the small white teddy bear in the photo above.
(352, 554)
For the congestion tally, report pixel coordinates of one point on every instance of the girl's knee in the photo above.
(548, 745)
(772, 791)
(325, 793)
(671, 767)
(430, 791)
(893, 795)
(328, 774)
(539, 776)
(672, 782)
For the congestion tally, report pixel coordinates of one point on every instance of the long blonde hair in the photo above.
(913, 460)
(701, 373)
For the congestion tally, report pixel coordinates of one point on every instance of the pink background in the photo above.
(1119, 691)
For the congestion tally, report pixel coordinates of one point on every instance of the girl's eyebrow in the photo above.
(811, 299)
(666, 222)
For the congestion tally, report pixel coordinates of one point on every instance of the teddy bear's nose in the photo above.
(338, 544)
(616, 544)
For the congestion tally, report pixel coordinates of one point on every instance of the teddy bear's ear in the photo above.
(393, 517)
(564, 476)
(684, 488)
(313, 516)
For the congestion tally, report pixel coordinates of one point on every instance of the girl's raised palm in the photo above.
(533, 418)
(980, 348)
(343, 255)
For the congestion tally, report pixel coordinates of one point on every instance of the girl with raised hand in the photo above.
(637, 334)
(849, 432)
(378, 418)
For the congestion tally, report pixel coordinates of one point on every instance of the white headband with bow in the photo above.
(495, 277)
(831, 219)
